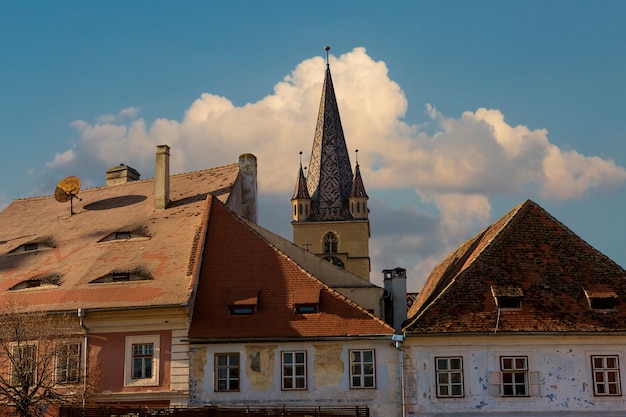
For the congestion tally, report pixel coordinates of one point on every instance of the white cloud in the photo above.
(61, 159)
(458, 164)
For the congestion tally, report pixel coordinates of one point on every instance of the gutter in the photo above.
(81, 316)
(289, 339)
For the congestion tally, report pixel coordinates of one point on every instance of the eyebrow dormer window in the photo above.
(38, 246)
(122, 277)
(124, 235)
(40, 281)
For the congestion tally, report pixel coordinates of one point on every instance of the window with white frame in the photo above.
(362, 369)
(294, 370)
(606, 379)
(227, 372)
(23, 364)
(67, 363)
(449, 372)
(514, 378)
(142, 360)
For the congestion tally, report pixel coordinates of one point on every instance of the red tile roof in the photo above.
(526, 254)
(238, 260)
(164, 252)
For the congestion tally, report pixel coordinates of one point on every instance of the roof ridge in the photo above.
(99, 187)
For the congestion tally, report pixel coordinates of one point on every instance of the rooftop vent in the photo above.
(121, 174)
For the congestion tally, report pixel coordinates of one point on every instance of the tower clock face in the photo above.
(335, 261)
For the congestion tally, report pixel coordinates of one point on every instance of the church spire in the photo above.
(329, 180)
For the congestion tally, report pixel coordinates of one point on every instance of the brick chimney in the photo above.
(121, 174)
(162, 178)
(248, 186)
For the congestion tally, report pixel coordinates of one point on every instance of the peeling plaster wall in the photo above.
(328, 382)
(564, 364)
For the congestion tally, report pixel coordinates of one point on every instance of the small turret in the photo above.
(301, 201)
(358, 196)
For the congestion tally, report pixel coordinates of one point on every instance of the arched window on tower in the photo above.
(330, 243)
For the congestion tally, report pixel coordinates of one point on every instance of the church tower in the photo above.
(329, 204)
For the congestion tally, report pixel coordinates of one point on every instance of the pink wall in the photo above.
(107, 350)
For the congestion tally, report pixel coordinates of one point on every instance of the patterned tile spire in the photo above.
(300, 191)
(329, 180)
(358, 189)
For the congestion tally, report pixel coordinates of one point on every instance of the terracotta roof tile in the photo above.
(527, 254)
(237, 259)
(73, 249)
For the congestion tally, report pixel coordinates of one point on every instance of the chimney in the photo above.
(162, 178)
(394, 282)
(248, 186)
(121, 174)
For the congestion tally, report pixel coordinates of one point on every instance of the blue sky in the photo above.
(460, 110)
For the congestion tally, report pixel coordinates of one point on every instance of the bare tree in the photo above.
(40, 359)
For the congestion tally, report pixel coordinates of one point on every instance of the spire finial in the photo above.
(357, 156)
(300, 158)
(327, 48)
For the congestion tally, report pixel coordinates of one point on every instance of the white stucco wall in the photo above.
(563, 363)
(328, 384)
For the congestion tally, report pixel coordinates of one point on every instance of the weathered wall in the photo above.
(328, 367)
(564, 364)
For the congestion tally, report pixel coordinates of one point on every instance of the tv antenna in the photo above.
(67, 190)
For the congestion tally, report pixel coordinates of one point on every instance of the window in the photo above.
(68, 363)
(602, 303)
(23, 364)
(605, 375)
(122, 235)
(515, 380)
(449, 376)
(307, 308)
(30, 247)
(142, 360)
(510, 303)
(227, 372)
(330, 243)
(335, 261)
(362, 369)
(143, 356)
(294, 370)
(514, 375)
(601, 297)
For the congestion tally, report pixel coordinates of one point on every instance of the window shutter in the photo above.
(535, 384)
(495, 383)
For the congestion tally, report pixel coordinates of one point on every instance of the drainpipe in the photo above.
(81, 316)
(398, 339)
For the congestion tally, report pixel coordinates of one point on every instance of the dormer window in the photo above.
(122, 276)
(242, 302)
(507, 298)
(601, 298)
(39, 281)
(124, 235)
(306, 301)
(33, 247)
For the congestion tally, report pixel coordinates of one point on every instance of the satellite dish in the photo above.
(66, 190)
